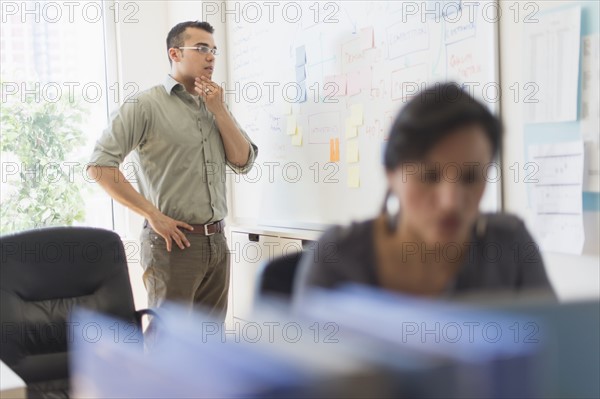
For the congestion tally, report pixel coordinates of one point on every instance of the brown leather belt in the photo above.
(204, 229)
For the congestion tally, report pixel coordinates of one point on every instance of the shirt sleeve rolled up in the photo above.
(123, 134)
(253, 152)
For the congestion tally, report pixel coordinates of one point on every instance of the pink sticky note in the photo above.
(365, 78)
(366, 38)
(354, 83)
(334, 85)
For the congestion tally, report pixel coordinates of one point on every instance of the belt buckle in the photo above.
(206, 233)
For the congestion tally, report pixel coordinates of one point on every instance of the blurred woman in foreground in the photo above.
(440, 149)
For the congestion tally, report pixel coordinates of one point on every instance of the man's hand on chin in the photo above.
(211, 93)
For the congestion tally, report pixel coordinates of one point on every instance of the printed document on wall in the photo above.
(590, 110)
(557, 196)
(551, 54)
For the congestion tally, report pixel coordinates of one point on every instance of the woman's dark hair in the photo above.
(430, 116)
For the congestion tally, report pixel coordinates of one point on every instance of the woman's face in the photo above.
(439, 195)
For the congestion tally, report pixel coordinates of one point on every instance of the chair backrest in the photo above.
(44, 273)
(277, 276)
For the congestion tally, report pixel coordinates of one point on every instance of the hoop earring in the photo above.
(391, 211)
(480, 226)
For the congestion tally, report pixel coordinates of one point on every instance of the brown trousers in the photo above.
(197, 276)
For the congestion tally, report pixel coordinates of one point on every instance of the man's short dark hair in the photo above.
(176, 37)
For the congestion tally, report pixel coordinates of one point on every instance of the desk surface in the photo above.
(281, 232)
(11, 385)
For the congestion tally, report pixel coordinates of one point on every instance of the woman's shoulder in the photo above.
(500, 225)
(343, 246)
(348, 234)
(341, 254)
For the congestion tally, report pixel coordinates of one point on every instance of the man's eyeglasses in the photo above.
(201, 49)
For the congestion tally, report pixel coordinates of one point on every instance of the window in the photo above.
(55, 102)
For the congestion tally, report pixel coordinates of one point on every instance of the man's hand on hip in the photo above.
(169, 229)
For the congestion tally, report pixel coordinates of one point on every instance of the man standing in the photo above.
(181, 135)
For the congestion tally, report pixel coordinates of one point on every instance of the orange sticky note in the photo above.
(334, 149)
(331, 150)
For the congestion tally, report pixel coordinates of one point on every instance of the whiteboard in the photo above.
(358, 55)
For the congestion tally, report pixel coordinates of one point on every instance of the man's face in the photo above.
(191, 63)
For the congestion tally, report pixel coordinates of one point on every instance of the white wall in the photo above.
(572, 276)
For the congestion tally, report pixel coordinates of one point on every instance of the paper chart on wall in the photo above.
(557, 196)
(552, 65)
(590, 110)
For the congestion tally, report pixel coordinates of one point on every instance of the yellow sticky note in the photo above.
(354, 176)
(352, 151)
(356, 114)
(297, 138)
(351, 130)
(291, 125)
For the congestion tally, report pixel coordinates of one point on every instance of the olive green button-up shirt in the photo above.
(177, 154)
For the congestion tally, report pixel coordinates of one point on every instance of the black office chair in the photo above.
(277, 276)
(44, 274)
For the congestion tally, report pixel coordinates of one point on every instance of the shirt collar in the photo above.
(170, 83)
